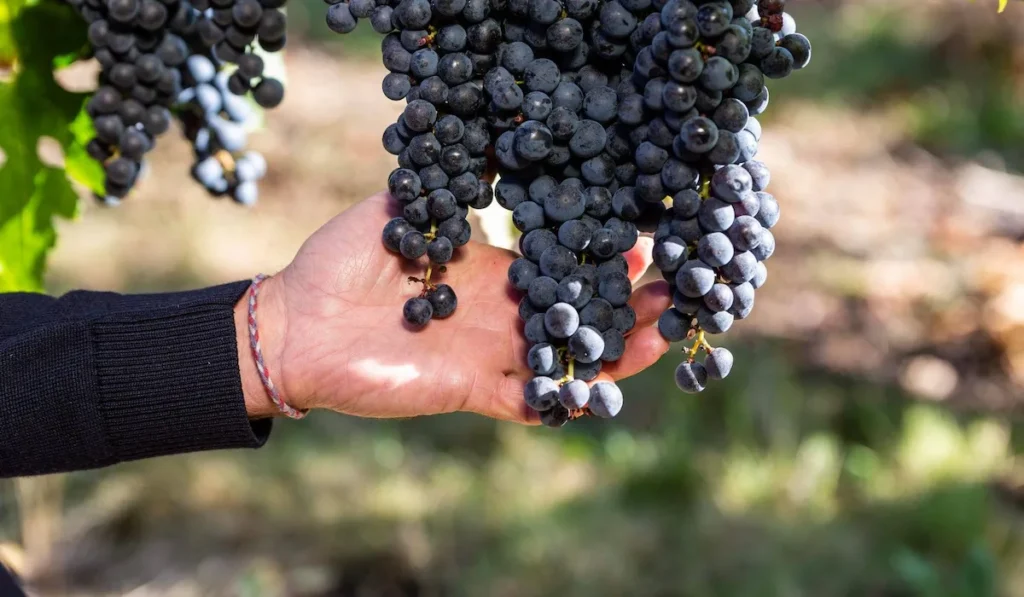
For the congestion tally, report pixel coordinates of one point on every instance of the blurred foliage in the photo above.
(777, 482)
(959, 86)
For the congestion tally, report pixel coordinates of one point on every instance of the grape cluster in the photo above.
(703, 76)
(139, 47)
(161, 59)
(215, 121)
(602, 119)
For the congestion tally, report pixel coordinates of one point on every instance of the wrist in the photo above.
(271, 318)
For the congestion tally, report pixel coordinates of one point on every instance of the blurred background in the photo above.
(866, 444)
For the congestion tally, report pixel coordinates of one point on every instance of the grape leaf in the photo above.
(33, 105)
(25, 240)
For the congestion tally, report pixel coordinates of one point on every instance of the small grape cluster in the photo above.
(139, 49)
(602, 119)
(435, 55)
(215, 121)
(703, 74)
(162, 59)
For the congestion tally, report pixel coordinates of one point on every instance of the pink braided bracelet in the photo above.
(257, 353)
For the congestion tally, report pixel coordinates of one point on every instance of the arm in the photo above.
(92, 379)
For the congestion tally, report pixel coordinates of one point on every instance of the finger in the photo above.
(650, 301)
(504, 401)
(639, 258)
(643, 349)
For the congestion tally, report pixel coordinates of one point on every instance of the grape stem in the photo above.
(698, 344)
(227, 161)
(430, 266)
(425, 280)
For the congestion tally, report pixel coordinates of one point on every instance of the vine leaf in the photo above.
(33, 37)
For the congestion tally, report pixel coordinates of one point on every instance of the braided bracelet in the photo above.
(257, 353)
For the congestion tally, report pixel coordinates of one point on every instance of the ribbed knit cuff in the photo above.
(168, 376)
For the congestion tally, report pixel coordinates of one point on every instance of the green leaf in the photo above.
(25, 239)
(78, 164)
(33, 105)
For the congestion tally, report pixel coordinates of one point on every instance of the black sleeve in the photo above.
(96, 378)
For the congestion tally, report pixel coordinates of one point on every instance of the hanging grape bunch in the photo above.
(189, 59)
(710, 68)
(601, 118)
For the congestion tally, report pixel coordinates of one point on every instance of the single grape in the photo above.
(586, 345)
(561, 320)
(394, 230)
(614, 345)
(417, 311)
(768, 211)
(574, 394)
(557, 262)
(799, 47)
(556, 416)
(575, 290)
(615, 288)
(691, 377)
(340, 18)
(598, 314)
(440, 250)
(543, 292)
(669, 254)
(695, 278)
(720, 298)
(269, 92)
(765, 246)
(716, 215)
(623, 318)
(715, 249)
(718, 363)
(673, 325)
(741, 268)
(542, 359)
(541, 393)
(534, 243)
(714, 322)
(605, 399)
(534, 329)
(745, 233)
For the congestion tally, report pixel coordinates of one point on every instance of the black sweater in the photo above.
(96, 378)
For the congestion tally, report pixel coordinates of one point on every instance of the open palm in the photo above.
(345, 346)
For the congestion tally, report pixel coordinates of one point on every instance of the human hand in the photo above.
(333, 334)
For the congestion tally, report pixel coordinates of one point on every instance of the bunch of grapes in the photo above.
(602, 119)
(704, 76)
(162, 59)
(215, 121)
